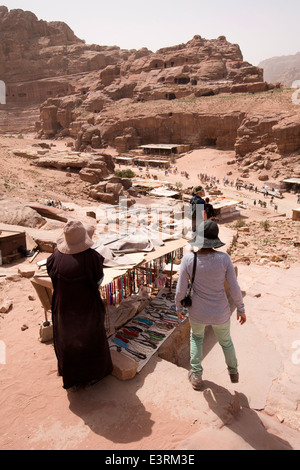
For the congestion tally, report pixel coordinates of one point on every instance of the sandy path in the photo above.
(214, 163)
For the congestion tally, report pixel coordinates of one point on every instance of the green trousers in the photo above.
(222, 333)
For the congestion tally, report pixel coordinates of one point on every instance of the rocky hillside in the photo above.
(284, 69)
(39, 60)
(201, 93)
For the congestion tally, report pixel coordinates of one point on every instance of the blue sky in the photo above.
(262, 28)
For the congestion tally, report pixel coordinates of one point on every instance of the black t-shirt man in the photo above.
(197, 204)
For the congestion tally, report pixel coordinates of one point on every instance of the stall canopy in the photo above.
(120, 257)
(158, 147)
(165, 148)
(292, 181)
(164, 192)
(123, 159)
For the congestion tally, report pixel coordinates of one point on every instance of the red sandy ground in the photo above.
(157, 409)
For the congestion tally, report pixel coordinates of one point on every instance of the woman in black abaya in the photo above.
(78, 312)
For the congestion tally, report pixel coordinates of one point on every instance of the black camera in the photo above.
(187, 301)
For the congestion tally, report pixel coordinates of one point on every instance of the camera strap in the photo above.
(194, 271)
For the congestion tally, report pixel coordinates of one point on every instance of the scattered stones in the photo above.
(5, 305)
(280, 417)
(267, 247)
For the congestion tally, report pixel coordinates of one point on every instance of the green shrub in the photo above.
(125, 173)
(265, 224)
(240, 223)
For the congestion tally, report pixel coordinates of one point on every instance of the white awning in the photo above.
(292, 180)
(163, 192)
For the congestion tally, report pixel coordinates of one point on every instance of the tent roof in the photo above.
(224, 202)
(292, 180)
(123, 158)
(160, 146)
(171, 245)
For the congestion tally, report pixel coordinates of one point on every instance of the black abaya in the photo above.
(78, 317)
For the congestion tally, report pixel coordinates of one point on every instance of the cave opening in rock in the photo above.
(171, 96)
(211, 142)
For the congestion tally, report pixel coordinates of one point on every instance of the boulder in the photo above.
(99, 187)
(61, 162)
(26, 153)
(114, 188)
(14, 213)
(263, 177)
(124, 367)
(108, 198)
(127, 182)
(109, 74)
(26, 271)
(93, 175)
(102, 161)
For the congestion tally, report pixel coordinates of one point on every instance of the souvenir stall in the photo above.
(141, 281)
(139, 299)
(141, 335)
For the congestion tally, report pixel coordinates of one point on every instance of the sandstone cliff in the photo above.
(201, 93)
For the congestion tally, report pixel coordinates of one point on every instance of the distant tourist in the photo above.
(197, 207)
(210, 212)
